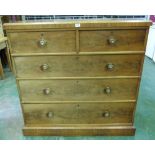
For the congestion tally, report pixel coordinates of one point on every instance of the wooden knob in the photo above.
(110, 66)
(42, 42)
(106, 114)
(112, 40)
(46, 91)
(107, 90)
(44, 67)
(50, 114)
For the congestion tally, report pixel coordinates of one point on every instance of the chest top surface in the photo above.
(75, 24)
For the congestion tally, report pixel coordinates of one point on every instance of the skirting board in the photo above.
(80, 131)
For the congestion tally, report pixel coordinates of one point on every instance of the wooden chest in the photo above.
(78, 78)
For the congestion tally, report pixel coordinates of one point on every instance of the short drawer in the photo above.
(42, 42)
(76, 66)
(78, 113)
(112, 40)
(78, 90)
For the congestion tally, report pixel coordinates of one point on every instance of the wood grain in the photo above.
(80, 131)
(77, 41)
(77, 95)
(78, 113)
(141, 69)
(1, 70)
(71, 24)
(95, 65)
(78, 90)
(79, 54)
(126, 40)
(56, 41)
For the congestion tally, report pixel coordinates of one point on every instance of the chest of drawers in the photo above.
(78, 78)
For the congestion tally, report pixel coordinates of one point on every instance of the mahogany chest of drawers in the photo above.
(78, 78)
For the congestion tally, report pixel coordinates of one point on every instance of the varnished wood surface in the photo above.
(81, 78)
(82, 126)
(78, 113)
(18, 54)
(73, 102)
(78, 90)
(71, 24)
(90, 66)
(8, 55)
(79, 131)
(77, 75)
(126, 40)
(57, 41)
(1, 70)
(78, 41)
(141, 69)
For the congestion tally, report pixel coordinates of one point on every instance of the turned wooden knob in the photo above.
(106, 114)
(42, 42)
(50, 114)
(112, 40)
(44, 67)
(46, 91)
(107, 90)
(110, 66)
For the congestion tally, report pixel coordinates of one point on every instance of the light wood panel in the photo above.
(79, 54)
(78, 90)
(1, 70)
(80, 131)
(74, 66)
(78, 113)
(125, 40)
(56, 41)
(35, 26)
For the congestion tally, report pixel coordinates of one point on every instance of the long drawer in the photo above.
(85, 113)
(35, 42)
(112, 40)
(76, 66)
(78, 90)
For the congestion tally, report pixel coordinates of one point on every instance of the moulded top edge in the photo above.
(76, 24)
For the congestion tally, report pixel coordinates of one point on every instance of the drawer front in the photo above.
(44, 42)
(85, 113)
(112, 40)
(78, 90)
(75, 66)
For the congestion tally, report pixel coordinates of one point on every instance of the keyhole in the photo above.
(78, 106)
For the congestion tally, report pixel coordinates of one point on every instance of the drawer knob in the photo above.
(42, 42)
(50, 114)
(44, 67)
(112, 40)
(110, 66)
(107, 90)
(46, 91)
(106, 114)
